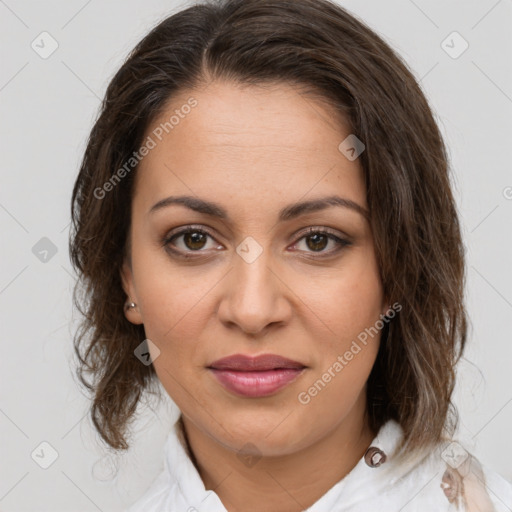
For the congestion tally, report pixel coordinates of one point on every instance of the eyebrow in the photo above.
(287, 213)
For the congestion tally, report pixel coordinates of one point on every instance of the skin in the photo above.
(255, 150)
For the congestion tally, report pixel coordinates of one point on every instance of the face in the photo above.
(250, 275)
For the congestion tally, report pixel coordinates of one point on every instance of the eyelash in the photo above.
(342, 243)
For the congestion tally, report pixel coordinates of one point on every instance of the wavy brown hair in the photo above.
(320, 46)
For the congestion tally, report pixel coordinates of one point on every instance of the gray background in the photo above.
(47, 109)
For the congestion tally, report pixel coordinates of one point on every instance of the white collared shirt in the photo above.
(434, 484)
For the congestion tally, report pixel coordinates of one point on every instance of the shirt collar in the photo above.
(360, 483)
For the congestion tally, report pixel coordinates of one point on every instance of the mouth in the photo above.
(255, 377)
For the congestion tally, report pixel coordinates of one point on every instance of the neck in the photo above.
(288, 482)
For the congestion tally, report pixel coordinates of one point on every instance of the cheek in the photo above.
(162, 291)
(349, 349)
(359, 304)
(348, 301)
(174, 314)
(350, 307)
(174, 305)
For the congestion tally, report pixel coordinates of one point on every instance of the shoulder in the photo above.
(463, 481)
(179, 486)
(499, 489)
(444, 478)
(469, 483)
(154, 497)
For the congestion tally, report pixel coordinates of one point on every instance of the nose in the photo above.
(255, 297)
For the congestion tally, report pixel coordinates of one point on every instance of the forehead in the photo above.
(248, 140)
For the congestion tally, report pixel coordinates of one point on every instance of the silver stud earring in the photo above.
(130, 305)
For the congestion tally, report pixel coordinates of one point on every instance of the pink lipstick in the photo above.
(255, 377)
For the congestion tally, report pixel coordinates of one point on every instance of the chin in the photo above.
(260, 432)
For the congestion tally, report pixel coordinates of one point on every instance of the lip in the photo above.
(263, 362)
(258, 376)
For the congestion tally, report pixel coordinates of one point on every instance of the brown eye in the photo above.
(194, 240)
(189, 240)
(317, 242)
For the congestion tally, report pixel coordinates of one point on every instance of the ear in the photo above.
(132, 314)
(386, 306)
(391, 310)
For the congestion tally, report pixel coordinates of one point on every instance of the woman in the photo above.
(264, 225)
